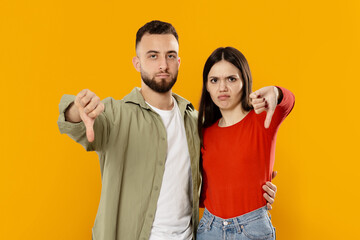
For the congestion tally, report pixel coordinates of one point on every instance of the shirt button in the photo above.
(163, 138)
(160, 163)
(150, 215)
(156, 188)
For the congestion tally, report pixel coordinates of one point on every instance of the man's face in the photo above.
(158, 61)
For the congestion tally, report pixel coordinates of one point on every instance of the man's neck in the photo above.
(163, 101)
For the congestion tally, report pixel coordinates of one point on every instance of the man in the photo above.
(147, 145)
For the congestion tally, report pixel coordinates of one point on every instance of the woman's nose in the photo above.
(223, 86)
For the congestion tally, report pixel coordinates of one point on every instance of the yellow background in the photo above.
(50, 187)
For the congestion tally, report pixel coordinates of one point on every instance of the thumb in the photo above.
(89, 124)
(268, 118)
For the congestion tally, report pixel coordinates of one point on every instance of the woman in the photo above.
(238, 151)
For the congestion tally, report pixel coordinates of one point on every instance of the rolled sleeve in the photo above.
(76, 131)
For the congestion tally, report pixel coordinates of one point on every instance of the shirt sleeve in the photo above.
(283, 109)
(203, 184)
(77, 131)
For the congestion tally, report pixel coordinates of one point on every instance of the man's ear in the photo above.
(136, 63)
(179, 62)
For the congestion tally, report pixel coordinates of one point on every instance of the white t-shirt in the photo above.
(174, 207)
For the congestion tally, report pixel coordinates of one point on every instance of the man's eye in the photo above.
(171, 56)
(153, 56)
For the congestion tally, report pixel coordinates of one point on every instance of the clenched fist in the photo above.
(86, 108)
(265, 99)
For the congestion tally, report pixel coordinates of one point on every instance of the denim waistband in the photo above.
(236, 221)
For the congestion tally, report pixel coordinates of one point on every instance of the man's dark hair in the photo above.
(155, 27)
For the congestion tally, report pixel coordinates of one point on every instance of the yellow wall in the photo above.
(50, 186)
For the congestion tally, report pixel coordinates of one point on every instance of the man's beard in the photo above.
(161, 87)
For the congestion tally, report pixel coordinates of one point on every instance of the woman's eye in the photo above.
(232, 79)
(213, 80)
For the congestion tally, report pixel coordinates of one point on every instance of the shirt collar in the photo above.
(135, 97)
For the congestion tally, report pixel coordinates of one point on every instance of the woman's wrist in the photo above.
(279, 94)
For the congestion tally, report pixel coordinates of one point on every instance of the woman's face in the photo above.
(224, 85)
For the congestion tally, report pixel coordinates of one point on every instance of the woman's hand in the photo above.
(265, 99)
(270, 191)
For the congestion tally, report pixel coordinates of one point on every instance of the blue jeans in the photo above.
(254, 225)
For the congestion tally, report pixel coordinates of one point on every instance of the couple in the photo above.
(149, 147)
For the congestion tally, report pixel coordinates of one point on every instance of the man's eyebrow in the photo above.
(152, 51)
(172, 51)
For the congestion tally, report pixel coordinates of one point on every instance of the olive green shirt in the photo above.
(131, 142)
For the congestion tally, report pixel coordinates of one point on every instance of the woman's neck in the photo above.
(230, 117)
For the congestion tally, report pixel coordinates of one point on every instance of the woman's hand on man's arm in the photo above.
(270, 191)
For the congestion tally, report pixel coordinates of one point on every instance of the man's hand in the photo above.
(87, 106)
(265, 99)
(270, 191)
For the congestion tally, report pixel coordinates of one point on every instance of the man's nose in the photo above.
(163, 64)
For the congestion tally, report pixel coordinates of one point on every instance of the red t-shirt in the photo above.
(239, 159)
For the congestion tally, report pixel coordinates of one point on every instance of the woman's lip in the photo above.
(223, 97)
